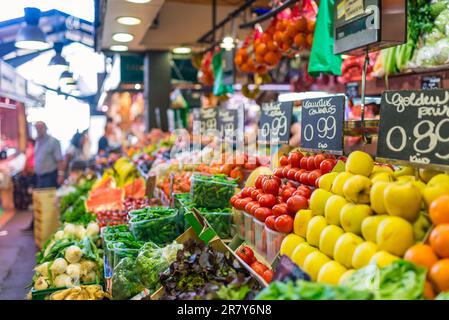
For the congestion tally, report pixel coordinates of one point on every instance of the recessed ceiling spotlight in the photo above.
(139, 1)
(118, 47)
(122, 37)
(129, 21)
(182, 50)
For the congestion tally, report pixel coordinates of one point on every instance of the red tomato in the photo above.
(330, 156)
(271, 186)
(246, 192)
(313, 176)
(278, 172)
(287, 193)
(298, 174)
(267, 200)
(269, 222)
(294, 159)
(238, 204)
(290, 184)
(283, 160)
(233, 199)
(318, 159)
(311, 163)
(305, 190)
(258, 182)
(284, 223)
(236, 174)
(304, 178)
(291, 173)
(254, 194)
(280, 209)
(326, 166)
(303, 163)
(279, 180)
(259, 268)
(285, 170)
(279, 200)
(244, 202)
(343, 158)
(254, 208)
(249, 206)
(296, 203)
(268, 275)
(250, 166)
(262, 213)
(246, 254)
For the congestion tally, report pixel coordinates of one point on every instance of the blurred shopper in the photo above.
(49, 164)
(110, 139)
(79, 149)
(25, 181)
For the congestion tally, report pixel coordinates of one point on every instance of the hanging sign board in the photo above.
(414, 127)
(228, 122)
(322, 121)
(208, 117)
(275, 121)
(431, 82)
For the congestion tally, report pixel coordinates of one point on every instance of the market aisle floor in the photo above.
(17, 257)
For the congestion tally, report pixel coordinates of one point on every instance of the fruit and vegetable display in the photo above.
(82, 292)
(212, 191)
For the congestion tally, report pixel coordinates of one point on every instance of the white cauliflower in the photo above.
(63, 280)
(59, 235)
(80, 231)
(92, 229)
(69, 229)
(41, 283)
(73, 254)
(59, 266)
(42, 269)
(74, 270)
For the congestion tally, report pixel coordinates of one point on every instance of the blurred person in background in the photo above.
(78, 152)
(110, 139)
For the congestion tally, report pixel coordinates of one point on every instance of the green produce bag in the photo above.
(322, 57)
(219, 88)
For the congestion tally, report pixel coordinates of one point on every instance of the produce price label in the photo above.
(275, 120)
(352, 89)
(208, 118)
(322, 122)
(414, 127)
(227, 122)
(432, 82)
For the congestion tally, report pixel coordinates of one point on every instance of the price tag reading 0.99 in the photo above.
(208, 119)
(227, 122)
(414, 126)
(275, 120)
(322, 124)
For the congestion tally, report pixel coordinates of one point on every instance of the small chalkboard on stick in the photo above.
(275, 121)
(208, 118)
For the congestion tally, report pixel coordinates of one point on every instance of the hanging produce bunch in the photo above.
(206, 74)
(245, 57)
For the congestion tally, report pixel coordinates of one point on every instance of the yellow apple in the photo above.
(379, 169)
(326, 180)
(421, 226)
(314, 262)
(403, 200)
(356, 189)
(405, 179)
(345, 276)
(360, 162)
(314, 229)
(333, 209)
(290, 243)
(404, 171)
(345, 247)
(430, 193)
(331, 272)
(441, 178)
(318, 201)
(363, 253)
(395, 235)
(382, 259)
(421, 185)
(382, 176)
(301, 221)
(427, 174)
(339, 182)
(377, 197)
(352, 216)
(301, 252)
(369, 227)
(328, 238)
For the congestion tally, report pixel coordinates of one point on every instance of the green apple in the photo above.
(369, 227)
(333, 209)
(345, 247)
(360, 162)
(395, 235)
(357, 189)
(328, 238)
(421, 226)
(318, 200)
(339, 182)
(404, 171)
(403, 200)
(326, 180)
(352, 216)
(314, 229)
(377, 197)
(363, 254)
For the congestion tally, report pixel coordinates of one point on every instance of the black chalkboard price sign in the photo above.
(228, 122)
(322, 122)
(414, 127)
(275, 120)
(208, 118)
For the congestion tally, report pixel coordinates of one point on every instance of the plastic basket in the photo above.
(209, 193)
(260, 237)
(274, 240)
(160, 230)
(249, 227)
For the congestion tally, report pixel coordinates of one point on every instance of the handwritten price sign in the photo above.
(322, 124)
(208, 119)
(275, 122)
(414, 127)
(228, 122)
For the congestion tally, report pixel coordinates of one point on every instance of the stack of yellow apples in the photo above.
(367, 214)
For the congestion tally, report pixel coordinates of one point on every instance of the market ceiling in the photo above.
(161, 24)
(58, 27)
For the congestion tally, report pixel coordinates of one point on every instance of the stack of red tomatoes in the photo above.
(273, 202)
(305, 169)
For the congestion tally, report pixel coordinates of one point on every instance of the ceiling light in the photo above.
(66, 77)
(139, 1)
(58, 62)
(228, 40)
(137, 86)
(122, 37)
(182, 50)
(31, 37)
(128, 21)
(118, 47)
